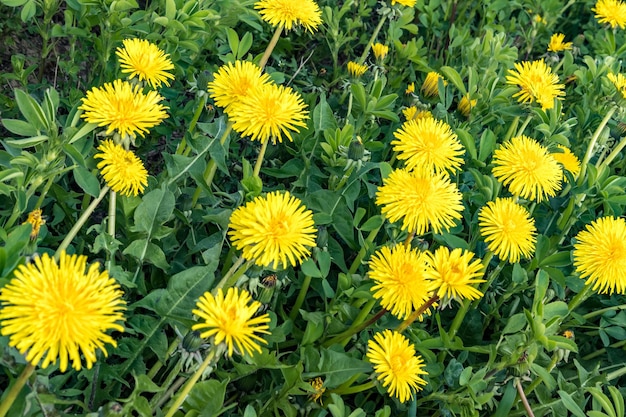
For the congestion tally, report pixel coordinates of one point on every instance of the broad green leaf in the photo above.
(207, 398)
(144, 250)
(453, 76)
(31, 110)
(545, 376)
(570, 404)
(309, 268)
(338, 367)
(87, 181)
(13, 3)
(506, 403)
(156, 208)
(28, 142)
(20, 127)
(323, 117)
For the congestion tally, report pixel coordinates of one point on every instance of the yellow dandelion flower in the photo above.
(269, 112)
(557, 45)
(380, 51)
(56, 311)
(619, 81)
(399, 274)
(600, 255)
(318, 385)
(121, 169)
(410, 88)
(398, 367)
(430, 88)
(536, 82)
(233, 81)
(290, 13)
(466, 105)
(355, 69)
(422, 200)
(539, 19)
(428, 144)
(611, 12)
(142, 59)
(123, 107)
(508, 229)
(230, 319)
(407, 3)
(273, 230)
(453, 274)
(411, 113)
(568, 160)
(528, 169)
(36, 221)
(568, 334)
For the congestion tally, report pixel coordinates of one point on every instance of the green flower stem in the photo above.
(616, 374)
(409, 239)
(168, 394)
(512, 128)
(158, 365)
(80, 222)
(233, 274)
(301, 296)
(169, 387)
(15, 389)
(600, 352)
(44, 192)
(259, 160)
(350, 99)
(182, 147)
(357, 325)
(417, 313)
(613, 154)
(189, 385)
(111, 222)
(355, 389)
(520, 391)
(592, 144)
(524, 125)
(270, 47)
(579, 298)
(373, 37)
(359, 257)
(600, 312)
(211, 168)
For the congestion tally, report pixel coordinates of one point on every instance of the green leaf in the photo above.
(28, 142)
(486, 145)
(618, 401)
(453, 76)
(19, 127)
(207, 397)
(82, 132)
(87, 181)
(570, 404)
(323, 117)
(545, 376)
(515, 324)
(338, 367)
(244, 45)
(28, 11)
(144, 250)
(31, 110)
(360, 97)
(506, 403)
(13, 3)
(156, 208)
(233, 40)
(309, 268)
(468, 142)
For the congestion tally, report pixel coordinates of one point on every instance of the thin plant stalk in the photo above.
(612, 155)
(357, 325)
(369, 44)
(111, 221)
(524, 125)
(19, 383)
(592, 144)
(520, 391)
(359, 258)
(270, 47)
(233, 274)
(44, 192)
(357, 388)
(417, 313)
(301, 296)
(182, 146)
(259, 161)
(579, 298)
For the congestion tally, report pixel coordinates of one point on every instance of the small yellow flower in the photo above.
(568, 160)
(55, 310)
(466, 105)
(380, 51)
(612, 12)
(232, 319)
(430, 88)
(540, 19)
(355, 69)
(290, 13)
(536, 82)
(396, 364)
(146, 61)
(557, 45)
(453, 274)
(407, 3)
(123, 107)
(600, 255)
(121, 169)
(399, 274)
(318, 385)
(527, 168)
(619, 81)
(410, 89)
(568, 334)
(273, 230)
(233, 81)
(411, 113)
(36, 221)
(508, 229)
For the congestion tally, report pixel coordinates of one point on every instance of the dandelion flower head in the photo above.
(454, 274)
(36, 221)
(233, 81)
(423, 201)
(399, 274)
(230, 319)
(600, 255)
(611, 12)
(428, 144)
(407, 3)
(536, 83)
(619, 81)
(527, 168)
(142, 59)
(123, 107)
(508, 229)
(290, 13)
(410, 89)
(269, 112)
(121, 169)
(568, 160)
(57, 310)
(466, 105)
(380, 51)
(355, 69)
(276, 229)
(430, 88)
(398, 367)
(412, 113)
(557, 45)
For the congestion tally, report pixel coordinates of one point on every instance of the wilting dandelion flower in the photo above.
(508, 229)
(619, 81)
(399, 274)
(398, 367)
(123, 107)
(612, 12)
(568, 160)
(355, 69)
(600, 255)
(269, 112)
(290, 13)
(233, 81)
(407, 3)
(380, 51)
(410, 89)
(536, 82)
(454, 274)
(557, 45)
(422, 200)
(430, 88)
(466, 105)
(428, 144)
(142, 59)
(59, 310)
(411, 113)
(527, 169)
(36, 221)
(230, 319)
(273, 230)
(318, 386)
(121, 169)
